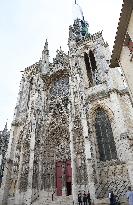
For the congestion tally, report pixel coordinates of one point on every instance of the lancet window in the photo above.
(104, 136)
(91, 68)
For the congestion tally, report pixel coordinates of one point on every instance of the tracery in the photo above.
(104, 135)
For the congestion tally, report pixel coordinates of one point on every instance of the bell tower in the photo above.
(91, 51)
(89, 64)
(79, 137)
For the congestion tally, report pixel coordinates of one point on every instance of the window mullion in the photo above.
(104, 134)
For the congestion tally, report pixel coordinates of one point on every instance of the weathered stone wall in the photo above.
(4, 140)
(112, 172)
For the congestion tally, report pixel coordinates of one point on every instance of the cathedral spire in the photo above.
(5, 128)
(45, 56)
(45, 52)
(46, 44)
(80, 26)
(6, 125)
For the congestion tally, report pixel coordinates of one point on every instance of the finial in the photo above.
(45, 53)
(45, 49)
(46, 45)
(5, 128)
(46, 42)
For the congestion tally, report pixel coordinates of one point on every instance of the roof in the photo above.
(124, 19)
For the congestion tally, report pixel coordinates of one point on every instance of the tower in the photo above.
(97, 118)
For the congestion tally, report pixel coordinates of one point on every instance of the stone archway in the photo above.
(57, 167)
(109, 174)
(56, 171)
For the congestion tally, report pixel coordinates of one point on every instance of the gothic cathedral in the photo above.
(72, 127)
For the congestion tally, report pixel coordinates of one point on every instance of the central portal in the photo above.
(63, 177)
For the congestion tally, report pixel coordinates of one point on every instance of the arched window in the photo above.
(104, 135)
(91, 68)
(88, 68)
(93, 65)
(29, 92)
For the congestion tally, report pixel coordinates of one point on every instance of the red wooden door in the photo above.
(59, 178)
(68, 177)
(68, 171)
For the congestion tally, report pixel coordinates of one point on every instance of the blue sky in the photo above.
(24, 26)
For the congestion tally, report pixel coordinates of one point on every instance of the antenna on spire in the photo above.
(75, 2)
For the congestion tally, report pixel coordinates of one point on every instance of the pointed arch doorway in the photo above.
(63, 178)
(59, 159)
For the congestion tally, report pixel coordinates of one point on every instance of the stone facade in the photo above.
(63, 110)
(4, 139)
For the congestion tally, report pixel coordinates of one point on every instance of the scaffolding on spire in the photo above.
(78, 15)
(78, 11)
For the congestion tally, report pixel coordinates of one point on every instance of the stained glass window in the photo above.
(60, 88)
(60, 91)
(104, 135)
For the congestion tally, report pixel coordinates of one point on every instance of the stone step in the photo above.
(60, 200)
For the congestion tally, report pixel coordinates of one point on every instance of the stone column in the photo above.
(28, 194)
(4, 192)
(91, 186)
(73, 163)
(73, 154)
(40, 170)
(74, 170)
(18, 195)
(5, 186)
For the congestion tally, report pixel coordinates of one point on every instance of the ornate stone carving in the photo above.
(80, 152)
(112, 177)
